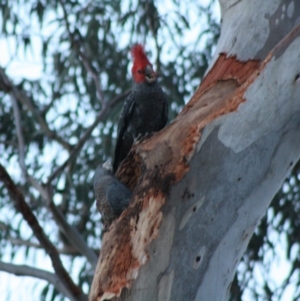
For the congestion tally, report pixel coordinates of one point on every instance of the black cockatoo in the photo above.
(145, 109)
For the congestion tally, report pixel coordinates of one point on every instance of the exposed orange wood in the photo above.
(184, 133)
(226, 68)
(124, 247)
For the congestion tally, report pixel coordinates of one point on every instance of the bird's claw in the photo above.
(141, 137)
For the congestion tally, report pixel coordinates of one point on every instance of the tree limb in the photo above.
(84, 59)
(7, 86)
(69, 231)
(25, 270)
(21, 144)
(72, 233)
(66, 228)
(23, 208)
(66, 250)
(21, 147)
(102, 114)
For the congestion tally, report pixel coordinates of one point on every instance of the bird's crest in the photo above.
(140, 60)
(107, 165)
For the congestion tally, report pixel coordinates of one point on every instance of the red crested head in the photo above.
(142, 69)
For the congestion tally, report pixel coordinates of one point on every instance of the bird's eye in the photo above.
(140, 71)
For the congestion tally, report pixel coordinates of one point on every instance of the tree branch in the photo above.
(68, 230)
(66, 250)
(76, 250)
(84, 59)
(21, 147)
(104, 111)
(25, 270)
(24, 209)
(74, 236)
(21, 144)
(7, 86)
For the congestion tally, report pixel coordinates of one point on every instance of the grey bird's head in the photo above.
(103, 170)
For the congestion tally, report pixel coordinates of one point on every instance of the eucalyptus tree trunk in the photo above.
(203, 183)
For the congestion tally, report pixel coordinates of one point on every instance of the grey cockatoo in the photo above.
(112, 197)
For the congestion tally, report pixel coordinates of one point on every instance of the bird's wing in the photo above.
(125, 116)
(165, 112)
(118, 195)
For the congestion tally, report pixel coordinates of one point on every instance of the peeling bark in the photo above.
(202, 184)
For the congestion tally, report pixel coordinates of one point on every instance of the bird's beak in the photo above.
(150, 74)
